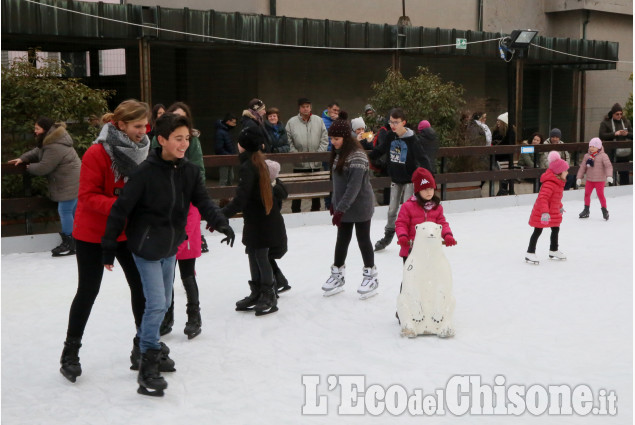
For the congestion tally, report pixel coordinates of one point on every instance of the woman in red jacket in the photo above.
(121, 145)
(547, 211)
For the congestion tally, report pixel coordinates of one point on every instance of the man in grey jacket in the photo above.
(306, 133)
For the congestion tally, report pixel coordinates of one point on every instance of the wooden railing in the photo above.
(28, 204)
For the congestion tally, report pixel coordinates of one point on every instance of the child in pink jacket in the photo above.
(423, 206)
(598, 169)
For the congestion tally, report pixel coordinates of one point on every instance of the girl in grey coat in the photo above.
(55, 158)
(351, 206)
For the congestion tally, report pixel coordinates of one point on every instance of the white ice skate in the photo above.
(531, 258)
(369, 285)
(335, 283)
(557, 255)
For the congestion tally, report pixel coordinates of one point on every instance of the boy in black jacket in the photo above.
(155, 203)
(405, 155)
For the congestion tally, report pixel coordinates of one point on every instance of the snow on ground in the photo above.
(565, 322)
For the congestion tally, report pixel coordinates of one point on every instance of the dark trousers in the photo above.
(623, 177)
(90, 270)
(186, 267)
(344, 236)
(260, 267)
(534, 239)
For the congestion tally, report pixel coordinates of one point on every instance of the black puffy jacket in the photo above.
(155, 202)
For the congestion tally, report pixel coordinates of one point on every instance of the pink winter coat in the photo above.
(191, 247)
(601, 169)
(549, 201)
(411, 214)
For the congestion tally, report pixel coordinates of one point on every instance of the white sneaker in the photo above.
(557, 255)
(336, 280)
(531, 258)
(369, 282)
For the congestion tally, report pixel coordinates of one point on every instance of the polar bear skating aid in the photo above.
(426, 303)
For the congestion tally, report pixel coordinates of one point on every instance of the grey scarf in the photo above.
(123, 152)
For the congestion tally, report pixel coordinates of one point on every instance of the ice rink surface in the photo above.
(568, 322)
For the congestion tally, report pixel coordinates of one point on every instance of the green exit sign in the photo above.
(461, 43)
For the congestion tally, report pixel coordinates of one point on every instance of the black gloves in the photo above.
(229, 232)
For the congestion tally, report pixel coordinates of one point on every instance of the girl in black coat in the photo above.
(263, 224)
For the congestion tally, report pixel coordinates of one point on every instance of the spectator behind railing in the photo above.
(555, 139)
(276, 131)
(616, 127)
(55, 158)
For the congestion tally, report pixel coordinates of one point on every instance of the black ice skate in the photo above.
(281, 281)
(605, 214)
(67, 247)
(204, 247)
(531, 258)
(193, 324)
(249, 302)
(166, 364)
(385, 241)
(71, 368)
(585, 212)
(268, 301)
(168, 319)
(150, 380)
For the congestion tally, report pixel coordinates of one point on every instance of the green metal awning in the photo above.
(56, 22)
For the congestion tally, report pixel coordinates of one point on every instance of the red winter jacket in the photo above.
(549, 201)
(191, 247)
(411, 214)
(96, 195)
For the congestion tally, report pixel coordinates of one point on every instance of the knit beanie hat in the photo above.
(504, 118)
(555, 133)
(596, 143)
(357, 123)
(340, 127)
(558, 166)
(368, 107)
(423, 125)
(45, 123)
(251, 139)
(553, 155)
(616, 108)
(422, 179)
(274, 168)
(255, 105)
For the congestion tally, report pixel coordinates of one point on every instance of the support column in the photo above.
(144, 70)
(518, 118)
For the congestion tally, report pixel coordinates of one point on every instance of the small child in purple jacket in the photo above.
(424, 205)
(598, 169)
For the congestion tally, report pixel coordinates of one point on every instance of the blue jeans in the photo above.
(157, 279)
(66, 210)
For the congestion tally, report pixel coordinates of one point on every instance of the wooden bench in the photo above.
(315, 184)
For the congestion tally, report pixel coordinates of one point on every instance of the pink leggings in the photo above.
(599, 189)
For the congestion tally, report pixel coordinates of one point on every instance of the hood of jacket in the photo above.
(58, 134)
(220, 124)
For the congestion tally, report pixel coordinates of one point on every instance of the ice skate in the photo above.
(166, 364)
(557, 255)
(168, 319)
(193, 324)
(150, 380)
(369, 285)
(385, 241)
(281, 281)
(585, 212)
(71, 368)
(335, 283)
(268, 301)
(67, 247)
(531, 258)
(249, 302)
(605, 214)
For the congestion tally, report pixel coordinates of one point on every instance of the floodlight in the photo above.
(521, 39)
